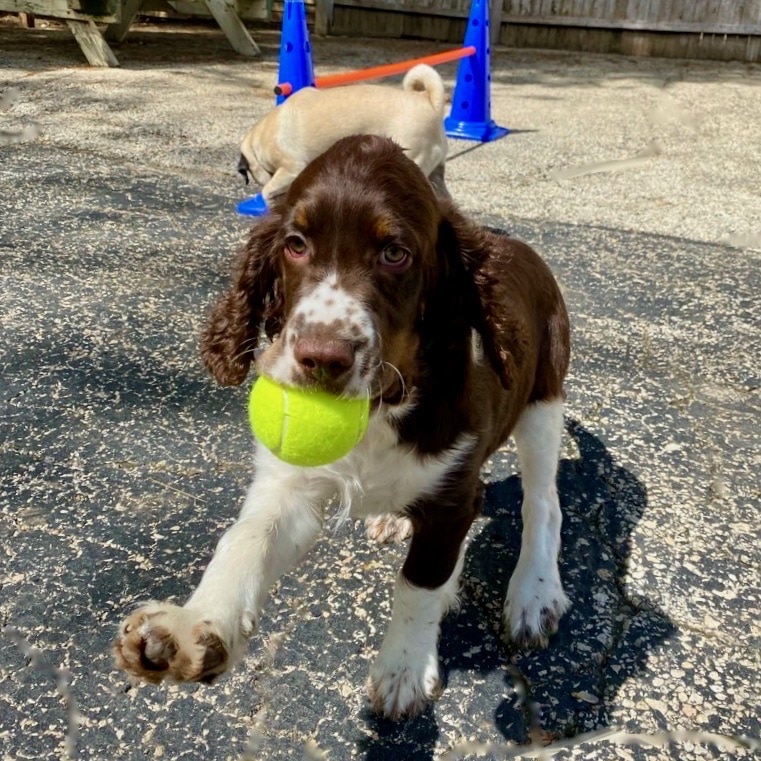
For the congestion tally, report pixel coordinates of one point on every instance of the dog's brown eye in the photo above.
(394, 257)
(295, 246)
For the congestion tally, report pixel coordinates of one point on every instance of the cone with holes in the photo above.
(295, 68)
(470, 117)
(295, 49)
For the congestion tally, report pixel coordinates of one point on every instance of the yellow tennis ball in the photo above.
(305, 427)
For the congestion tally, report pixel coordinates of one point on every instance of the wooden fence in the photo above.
(719, 29)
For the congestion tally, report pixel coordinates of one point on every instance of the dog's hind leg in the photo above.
(535, 597)
(388, 527)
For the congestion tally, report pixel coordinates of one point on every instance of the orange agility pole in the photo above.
(378, 72)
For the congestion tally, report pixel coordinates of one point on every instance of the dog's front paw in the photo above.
(160, 640)
(534, 604)
(401, 684)
(389, 527)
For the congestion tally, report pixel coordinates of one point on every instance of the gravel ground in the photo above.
(121, 463)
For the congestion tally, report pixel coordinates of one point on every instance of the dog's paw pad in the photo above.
(389, 527)
(533, 609)
(162, 641)
(532, 636)
(403, 691)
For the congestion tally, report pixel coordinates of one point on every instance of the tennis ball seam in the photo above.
(286, 419)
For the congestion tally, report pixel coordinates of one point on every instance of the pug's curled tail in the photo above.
(424, 78)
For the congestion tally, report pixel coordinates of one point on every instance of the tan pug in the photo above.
(281, 144)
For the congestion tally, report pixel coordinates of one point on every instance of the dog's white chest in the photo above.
(381, 475)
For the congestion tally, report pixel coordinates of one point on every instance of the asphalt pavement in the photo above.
(121, 462)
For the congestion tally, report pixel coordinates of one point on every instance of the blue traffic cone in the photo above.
(295, 68)
(470, 117)
(295, 49)
(254, 206)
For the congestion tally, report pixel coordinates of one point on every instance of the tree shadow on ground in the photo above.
(604, 639)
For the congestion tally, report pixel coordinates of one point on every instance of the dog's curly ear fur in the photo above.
(467, 251)
(253, 299)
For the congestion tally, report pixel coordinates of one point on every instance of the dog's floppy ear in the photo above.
(467, 251)
(253, 299)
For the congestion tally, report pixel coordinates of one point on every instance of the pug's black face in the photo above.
(243, 168)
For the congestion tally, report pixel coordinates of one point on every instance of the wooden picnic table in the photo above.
(86, 18)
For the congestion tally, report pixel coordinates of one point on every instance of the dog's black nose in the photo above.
(243, 167)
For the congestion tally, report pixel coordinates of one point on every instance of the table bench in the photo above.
(83, 17)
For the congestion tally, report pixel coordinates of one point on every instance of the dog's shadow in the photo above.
(604, 639)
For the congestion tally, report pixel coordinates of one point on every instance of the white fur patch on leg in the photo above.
(405, 675)
(535, 598)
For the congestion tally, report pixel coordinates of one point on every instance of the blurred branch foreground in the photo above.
(62, 680)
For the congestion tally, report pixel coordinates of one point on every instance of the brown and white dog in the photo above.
(365, 282)
(281, 144)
